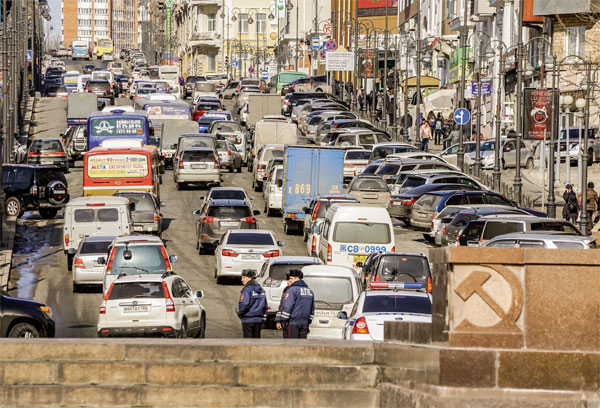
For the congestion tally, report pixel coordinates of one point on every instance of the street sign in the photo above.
(234, 63)
(264, 74)
(175, 59)
(327, 29)
(29, 56)
(273, 36)
(316, 43)
(330, 45)
(486, 88)
(462, 116)
(322, 54)
(251, 70)
(339, 61)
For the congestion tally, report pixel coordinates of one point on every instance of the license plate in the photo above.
(198, 166)
(325, 313)
(370, 196)
(135, 309)
(251, 256)
(229, 224)
(359, 258)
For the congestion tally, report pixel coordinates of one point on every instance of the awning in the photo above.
(426, 82)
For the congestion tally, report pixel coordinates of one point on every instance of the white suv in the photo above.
(151, 305)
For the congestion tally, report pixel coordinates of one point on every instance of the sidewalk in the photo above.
(6, 250)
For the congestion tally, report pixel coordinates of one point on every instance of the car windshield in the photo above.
(336, 290)
(371, 168)
(94, 247)
(362, 232)
(278, 271)
(397, 304)
(198, 156)
(227, 195)
(411, 182)
(388, 169)
(242, 238)
(141, 202)
(46, 146)
(369, 184)
(358, 155)
(131, 290)
(489, 145)
(236, 212)
(144, 259)
(226, 128)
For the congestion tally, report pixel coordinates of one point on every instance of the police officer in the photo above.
(298, 306)
(281, 324)
(252, 309)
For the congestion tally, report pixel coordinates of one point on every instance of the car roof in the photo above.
(146, 277)
(250, 231)
(391, 292)
(550, 235)
(328, 270)
(309, 260)
(107, 200)
(137, 239)
(98, 238)
(222, 202)
(229, 188)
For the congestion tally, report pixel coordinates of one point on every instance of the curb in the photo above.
(9, 226)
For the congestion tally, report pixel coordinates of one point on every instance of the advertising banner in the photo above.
(117, 127)
(117, 166)
(537, 113)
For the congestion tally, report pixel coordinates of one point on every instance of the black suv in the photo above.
(24, 318)
(29, 187)
(392, 267)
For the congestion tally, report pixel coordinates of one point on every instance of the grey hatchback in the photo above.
(145, 211)
(218, 216)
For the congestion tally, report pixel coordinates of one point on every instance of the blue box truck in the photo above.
(308, 171)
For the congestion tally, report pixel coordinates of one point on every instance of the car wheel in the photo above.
(231, 169)
(75, 287)
(202, 332)
(179, 186)
(70, 262)
(529, 164)
(428, 238)
(24, 330)
(48, 213)
(14, 207)
(183, 331)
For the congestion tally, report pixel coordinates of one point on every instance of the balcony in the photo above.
(206, 38)
(557, 7)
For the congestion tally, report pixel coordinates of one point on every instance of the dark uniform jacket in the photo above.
(253, 303)
(298, 304)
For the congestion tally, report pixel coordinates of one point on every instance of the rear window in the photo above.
(496, 228)
(570, 245)
(228, 195)
(397, 304)
(229, 212)
(362, 232)
(428, 200)
(554, 226)
(207, 107)
(94, 247)
(137, 290)
(205, 87)
(411, 182)
(226, 128)
(83, 215)
(198, 156)
(45, 176)
(404, 269)
(325, 204)
(371, 168)
(330, 290)
(240, 238)
(144, 259)
(369, 184)
(388, 169)
(358, 155)
(278, 271)
(141, 202)
(46, 146)
(108, 215)
(271, 153)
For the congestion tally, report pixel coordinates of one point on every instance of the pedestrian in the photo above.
(370, 102)
(390, 106)
(439, 129)
(407, 121)
(252, 308)
(454, 134)
(592, 201)
(571, 208)
(425, 133)
(279, 323)
(379, 104)
(361, 100)
(298, 307)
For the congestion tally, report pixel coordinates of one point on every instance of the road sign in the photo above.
(251, 70)
(29, 56)
(316, 43)
(486, 88)
(339, 61)
(462, 116)
(330, 45)
(234, 63)
(264, 74)
(175, 59)
(273, 36)
(327, 29)
(323, 54)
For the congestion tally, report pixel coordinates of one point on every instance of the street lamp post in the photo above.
(518, 184)
(254, 11)
(460, 156)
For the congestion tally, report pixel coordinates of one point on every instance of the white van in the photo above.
(336, 289)
(94, 215)
(351, 232)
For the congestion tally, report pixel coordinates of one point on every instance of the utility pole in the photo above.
(418, 45)
(385, 61)
(460, 156)
(519, 111)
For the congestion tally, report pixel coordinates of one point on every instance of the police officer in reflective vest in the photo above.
(298, 306)
(252, 308)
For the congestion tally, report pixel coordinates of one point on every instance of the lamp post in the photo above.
(225, 7)
(518, 184)
(460, 155)
(235, 11)
(252, 17)
(273, 9)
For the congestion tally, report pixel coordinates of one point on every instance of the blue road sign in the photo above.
(264, 74)
(316, 43)
(322, 54)
(251, 70)
(234, 63)
(486, 88)
(29, 56)
(330, 45)
(462, 116)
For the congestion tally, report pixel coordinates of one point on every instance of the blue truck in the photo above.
(308, 171)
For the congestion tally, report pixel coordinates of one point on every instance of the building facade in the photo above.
(124, 24)
(85, 20)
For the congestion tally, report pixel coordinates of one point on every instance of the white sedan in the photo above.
(241, 249)
(391, 301)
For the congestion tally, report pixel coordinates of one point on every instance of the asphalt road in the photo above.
(40, 268)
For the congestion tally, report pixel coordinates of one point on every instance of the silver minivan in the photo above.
(197, 166)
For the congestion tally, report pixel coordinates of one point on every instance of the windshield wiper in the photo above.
(326, 302)
(138, 269)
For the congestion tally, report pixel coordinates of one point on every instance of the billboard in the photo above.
(369, 8)
(366, 63)
(117, 166)
(537, 113)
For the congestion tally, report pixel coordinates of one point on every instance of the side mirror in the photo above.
(342, 315)
(306, 210)
(174, 146)
(281, 243)
(359, 264)
(101, 260)
(255, 212)
(173, 258)
(264, 178)
(199, 294)
(127, 255)
(196, 212)
(163, 203)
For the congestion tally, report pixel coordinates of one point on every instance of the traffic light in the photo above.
(226, 60)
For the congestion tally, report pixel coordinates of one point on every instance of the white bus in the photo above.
(81, 49)
(169, 73)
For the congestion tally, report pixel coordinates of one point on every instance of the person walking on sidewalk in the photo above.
(592, 201)
(252, 307)
(298, 307)
(425, 133)
(571, 208)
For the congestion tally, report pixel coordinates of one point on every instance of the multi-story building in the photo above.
(124, 24)
(85, 20)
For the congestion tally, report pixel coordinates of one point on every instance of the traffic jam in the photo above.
(343, 191)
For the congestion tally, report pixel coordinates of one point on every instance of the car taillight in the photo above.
(166, 258)
(314, 216)
(431, 226)
(228, 153)
(429, 285)
(393, 249)
(458, 239)
(181, 164)
(34, 190)
(168, 300)
(207, 220)
(103, 305)
(216, 163)
(271, 254)
(87, 89)
(444, 230)
(259, 166)
(313, 246)
(329, 252)
(250, 220)
(228, 252)
(110, 259)
(360, 326)
(410, 201)
(155, 217)
(79, 263)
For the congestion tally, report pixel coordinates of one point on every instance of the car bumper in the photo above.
(144, 331)
(198, 178)
(399, 211)
(153, 228)
(236, 268)
(325, 332)
(86, 277)
(420, 225)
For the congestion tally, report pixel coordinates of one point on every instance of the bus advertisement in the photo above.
(103, 45)
(117, 125)
(81, 49)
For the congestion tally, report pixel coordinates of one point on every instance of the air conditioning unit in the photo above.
(483, 9)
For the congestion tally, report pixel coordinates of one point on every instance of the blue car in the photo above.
(205, 121)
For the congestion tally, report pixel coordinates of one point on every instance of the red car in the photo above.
(203, 107)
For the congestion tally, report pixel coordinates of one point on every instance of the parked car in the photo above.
(40, 188)
(24, 318)
(542, 240)
(508, 154)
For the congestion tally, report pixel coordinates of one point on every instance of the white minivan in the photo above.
(351, 232)
(336, 289)
(94, 215)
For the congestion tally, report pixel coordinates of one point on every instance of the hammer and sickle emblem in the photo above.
(473, 284)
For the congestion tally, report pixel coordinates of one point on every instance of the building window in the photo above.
(211, 20)
(575, 41)
(212, 62)
(451, 8)
(261, 20)
(243, 23)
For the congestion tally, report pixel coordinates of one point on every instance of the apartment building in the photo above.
(85, 20)
(124, 24)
